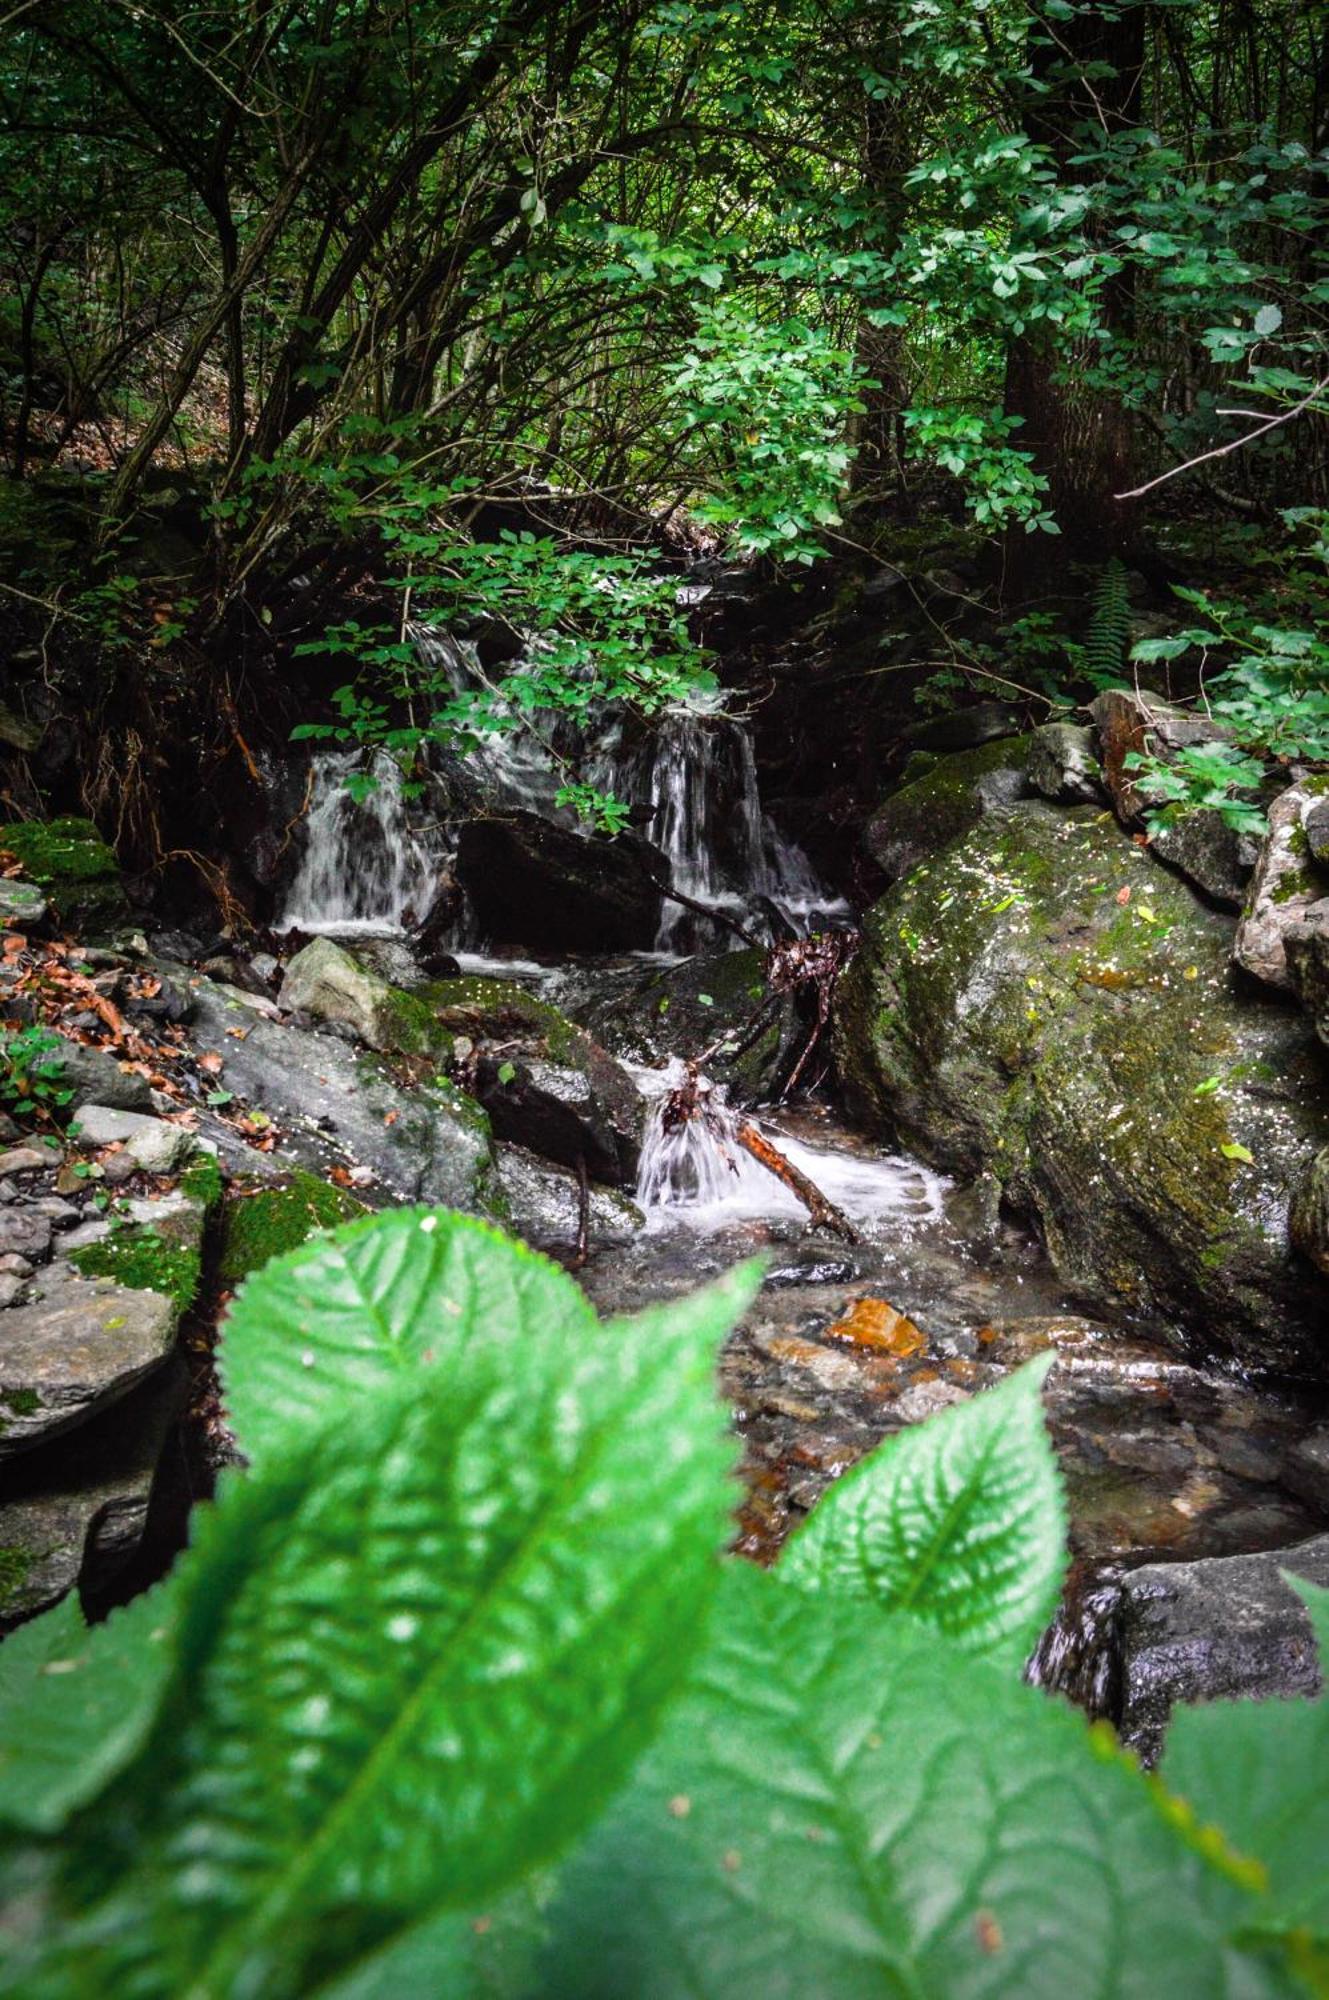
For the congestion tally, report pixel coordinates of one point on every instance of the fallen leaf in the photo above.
(391, 1117)
(876, 1323)
(1124, 895)
(211, 1062)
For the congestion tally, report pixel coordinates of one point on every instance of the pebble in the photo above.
(15, 1266)
(61, 1214)
(118, 1169)
(27, 1232)
(28, 1159)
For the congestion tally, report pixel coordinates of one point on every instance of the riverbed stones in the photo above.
(1222, 1628)
(540, 885)
(80, 1346)
(942, 798)
(155, 1145)
(1041, 1003)
(1284, 890)
(543, 1205)
(95, 1077)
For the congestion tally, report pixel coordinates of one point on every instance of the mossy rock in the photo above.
(941, 799)
(268, 1221)
(69, 859)
(139, 1257)
(1041, 1002)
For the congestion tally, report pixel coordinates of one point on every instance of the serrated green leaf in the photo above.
(960, 1521)
(417, 1651)
(848, 1807)
(346, 1313)
(1259, 1770)
(76, 1702)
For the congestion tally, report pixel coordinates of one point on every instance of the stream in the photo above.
(1163, 1460)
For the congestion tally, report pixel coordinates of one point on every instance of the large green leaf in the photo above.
(849, 1806)
(490, 1956)
(348, 1312)
(417, 1653)
(959, 1520)
(1259, 1770)
(76, 1702)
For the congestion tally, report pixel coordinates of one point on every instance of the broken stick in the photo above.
(824, 1213)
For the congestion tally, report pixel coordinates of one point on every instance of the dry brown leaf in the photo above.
(211, 1062)
(1124, 895)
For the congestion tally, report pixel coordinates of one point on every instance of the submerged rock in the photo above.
(1223, 1628)
(543, 886)
(1040, 1003)
(944, 799)
(1284, 889)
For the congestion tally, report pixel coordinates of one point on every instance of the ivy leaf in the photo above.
(77, 1702)
(418, 1650)
(1258, 1769)
(960, 1521)
(346, 1313)
(851, 1807)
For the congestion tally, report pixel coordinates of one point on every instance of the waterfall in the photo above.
(365, 865)
(692, 782)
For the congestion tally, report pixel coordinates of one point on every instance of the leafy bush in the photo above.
(31, 1068)
(418, 1648)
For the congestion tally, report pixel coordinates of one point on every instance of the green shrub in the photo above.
(31, 1069)
(417, 1650)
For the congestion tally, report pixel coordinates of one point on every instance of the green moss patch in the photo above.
(59, 850)
(263, 1225)
(15, 1568)
(137, 1257)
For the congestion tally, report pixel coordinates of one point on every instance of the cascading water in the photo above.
(692, 782)
(366, 865)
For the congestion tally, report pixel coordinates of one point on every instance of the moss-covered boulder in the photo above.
(1041, 1002)
(717, 1002)
(942, 797)
(331, 984)
(546, 1083)
(263, 1221)
(69, 860)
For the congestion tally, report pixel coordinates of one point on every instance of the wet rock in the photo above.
(717, 1002)
(1305, 1469)
(812, 1271)
(1042, 1004)
(155, 1146)
(329, 984)
(95, 1077)
(1306, 948)
(1221, 1629)
(1309, 1219)
(78, 1516)
(25, 1232)
(1062, 765)
(423, 1142)
(543, 1204)
(21, 903)
(1128, 722)
(943, 800)
(540, 885)
(546, 1083)
(1211, 854)
(79, 1346)
(1284, 888)
(70, 862)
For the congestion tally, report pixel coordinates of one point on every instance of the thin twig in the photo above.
(1222, 450)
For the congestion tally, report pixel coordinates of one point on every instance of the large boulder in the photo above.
(545, 1082)
(942, 797)
(1223, 1628)
(536, 884)
(329, 984)
(1041, 1003)
(1286, 893)
(422, 1141)
(72, 864)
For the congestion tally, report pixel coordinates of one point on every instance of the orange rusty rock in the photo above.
(876, 1323)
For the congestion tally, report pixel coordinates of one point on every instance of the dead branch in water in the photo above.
(824, 1213)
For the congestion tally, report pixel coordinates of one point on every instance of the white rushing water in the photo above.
(365, 866)
(696, 1174)
(692, 781)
